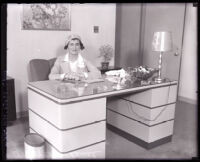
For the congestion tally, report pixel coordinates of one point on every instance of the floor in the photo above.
(182, 146)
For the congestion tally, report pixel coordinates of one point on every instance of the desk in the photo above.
(73, 117)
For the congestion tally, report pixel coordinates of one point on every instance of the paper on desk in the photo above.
(94, 80)
(116, 75)
(121, 73)
(83, 81)
(113, 79)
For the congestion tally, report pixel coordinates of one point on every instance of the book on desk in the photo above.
(109, 68)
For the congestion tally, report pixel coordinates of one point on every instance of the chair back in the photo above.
(51, 62)
(40, 69)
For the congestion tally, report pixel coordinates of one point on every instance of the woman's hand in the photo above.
(83, 75)
(72, 76)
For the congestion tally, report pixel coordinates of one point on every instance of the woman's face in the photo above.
(74, 47)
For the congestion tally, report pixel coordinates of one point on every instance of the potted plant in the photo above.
(106, 53)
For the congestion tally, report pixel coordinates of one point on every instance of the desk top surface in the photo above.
(62, 91)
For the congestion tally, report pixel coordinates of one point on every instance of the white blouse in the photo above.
(78, 63)
(73, 66)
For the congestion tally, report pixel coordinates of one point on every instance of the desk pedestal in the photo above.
(72, 130)
(96, 151)
(146, 118)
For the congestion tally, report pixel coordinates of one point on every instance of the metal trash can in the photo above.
(34, 146)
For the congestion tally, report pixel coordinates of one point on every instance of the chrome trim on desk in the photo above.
(70, 150)
(57, 101)
(148, 107)
(67, 128)
(140, 121)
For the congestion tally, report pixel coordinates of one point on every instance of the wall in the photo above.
(164, 17)
(24, 45)
(127, 44)
(128, 26)
(188, 75)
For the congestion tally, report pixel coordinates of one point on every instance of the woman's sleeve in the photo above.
(93, 72)
(55, 71)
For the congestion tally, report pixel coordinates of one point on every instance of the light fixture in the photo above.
(162, 42)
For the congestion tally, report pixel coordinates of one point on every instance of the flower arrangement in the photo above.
(106, 52)
(143, 72)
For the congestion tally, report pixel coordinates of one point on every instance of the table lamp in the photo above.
(162, 42)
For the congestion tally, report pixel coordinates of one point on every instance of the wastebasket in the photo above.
(34, 146)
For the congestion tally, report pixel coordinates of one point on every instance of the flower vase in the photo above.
(104, 65)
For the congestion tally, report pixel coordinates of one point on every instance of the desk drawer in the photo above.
(70, 139)
(146, 133)
(154, 97)
(67, 115)
(149, 116)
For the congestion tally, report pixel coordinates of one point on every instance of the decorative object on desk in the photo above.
(130, 71)
(119, 77)
(46, 16)
(145, 82)
(162, 42)
(143, 72)
(106, 52)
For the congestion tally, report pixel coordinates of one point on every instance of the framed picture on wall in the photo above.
(46, 16)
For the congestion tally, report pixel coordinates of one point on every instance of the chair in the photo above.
(40, 69)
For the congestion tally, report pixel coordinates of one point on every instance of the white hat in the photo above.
(70, 37)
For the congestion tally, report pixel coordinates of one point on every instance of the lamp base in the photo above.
(159, 80)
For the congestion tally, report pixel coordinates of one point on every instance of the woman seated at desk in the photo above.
(72, 65)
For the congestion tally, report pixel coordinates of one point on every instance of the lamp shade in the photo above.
(162, 41)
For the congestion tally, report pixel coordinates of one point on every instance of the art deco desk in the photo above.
(72, 117)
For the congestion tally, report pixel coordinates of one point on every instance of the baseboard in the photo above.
(22, 114)
(188, 100)
(138, 141)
